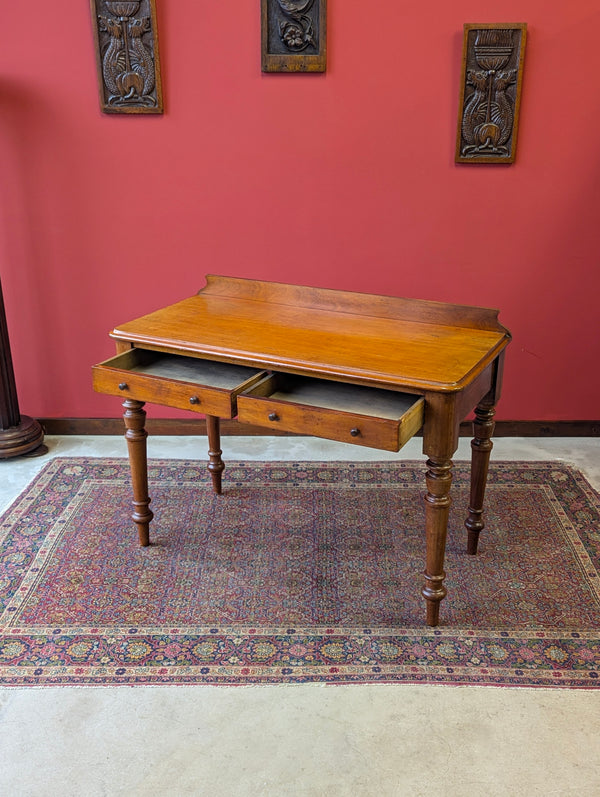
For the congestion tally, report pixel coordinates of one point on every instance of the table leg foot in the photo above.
(437, 508)
(481, 447)
(215, 464)
(135, 436)
(433, 613)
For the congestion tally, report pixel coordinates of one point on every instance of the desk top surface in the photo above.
(378, 340)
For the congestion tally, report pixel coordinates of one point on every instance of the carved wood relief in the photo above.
(293, 34)
(127, 57)
(490, 94)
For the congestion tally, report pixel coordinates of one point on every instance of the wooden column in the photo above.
(19, 434)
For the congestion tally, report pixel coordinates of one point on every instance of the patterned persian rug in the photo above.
(299, 572)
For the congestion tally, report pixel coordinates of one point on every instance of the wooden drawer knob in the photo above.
(273, 416)
(123, 386)
(194, 400)
(355, 432)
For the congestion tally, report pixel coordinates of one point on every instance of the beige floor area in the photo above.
(299, 740)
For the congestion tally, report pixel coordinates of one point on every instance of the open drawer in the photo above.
(349, 413)
(174, 380)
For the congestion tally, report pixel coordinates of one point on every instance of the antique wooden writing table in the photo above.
(369, 370)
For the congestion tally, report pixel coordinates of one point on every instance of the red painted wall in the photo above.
(342, 180)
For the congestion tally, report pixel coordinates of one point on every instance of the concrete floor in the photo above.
(299, 740)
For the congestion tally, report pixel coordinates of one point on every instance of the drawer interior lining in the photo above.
(340, 397)
(191, 369)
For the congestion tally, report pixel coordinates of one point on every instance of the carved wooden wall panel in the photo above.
(127, 57)
(294, 35)
(490, 94)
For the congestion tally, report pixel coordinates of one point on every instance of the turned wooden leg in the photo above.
(136, 435)
(481, 446)
(437, 508)
(215, 464)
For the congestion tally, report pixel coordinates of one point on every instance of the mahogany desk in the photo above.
(369, 370)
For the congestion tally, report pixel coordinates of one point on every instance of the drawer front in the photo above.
(156, 391)
(388, 434)
(118, 377)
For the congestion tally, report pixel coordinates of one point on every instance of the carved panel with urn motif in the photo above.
(127, 57)
(490, 93)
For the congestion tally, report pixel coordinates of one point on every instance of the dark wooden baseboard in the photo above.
(175, 426)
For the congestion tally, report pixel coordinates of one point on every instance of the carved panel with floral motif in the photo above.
(294, 35)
